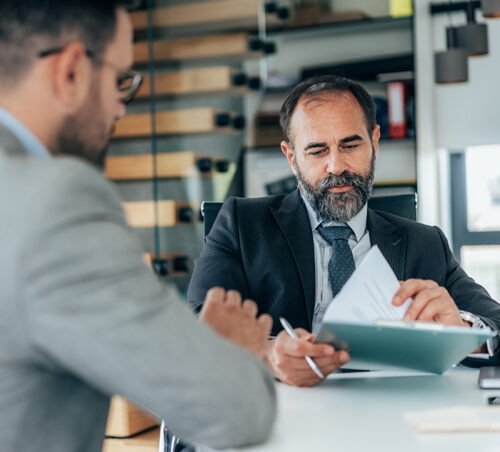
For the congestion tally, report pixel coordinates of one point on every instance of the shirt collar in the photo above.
(356, 223)
(30, 142)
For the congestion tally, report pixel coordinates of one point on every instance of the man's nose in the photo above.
(336, 163)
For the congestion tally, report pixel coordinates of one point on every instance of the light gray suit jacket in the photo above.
(82, 318)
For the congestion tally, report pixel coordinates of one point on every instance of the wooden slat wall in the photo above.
(141, 214)
(147, 442)
(194, 81)
(193, 120)
(234, 45)
(126, 419)
(140, 167)
(242, 11)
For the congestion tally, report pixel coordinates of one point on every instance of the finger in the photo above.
(410, 288)
(233, 298)
(250, 308)
(338, 359)
(300, 348)
(420, 302)
(215, 294)
(266, 322)
(429, 312)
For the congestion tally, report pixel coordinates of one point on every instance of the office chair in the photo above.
(404, 205)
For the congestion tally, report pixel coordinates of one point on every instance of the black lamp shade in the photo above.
(451, 66)
(473, 37)
(490, 8)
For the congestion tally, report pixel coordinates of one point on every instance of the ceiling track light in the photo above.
(451, 66)
(491, 8)
(473, 37)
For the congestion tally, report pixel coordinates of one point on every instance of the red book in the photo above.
(396, 100)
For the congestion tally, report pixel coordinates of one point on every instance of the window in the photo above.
(475, 183)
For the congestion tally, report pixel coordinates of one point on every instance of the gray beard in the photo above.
(340, 207)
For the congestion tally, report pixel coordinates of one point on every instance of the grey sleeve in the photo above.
(93, 309)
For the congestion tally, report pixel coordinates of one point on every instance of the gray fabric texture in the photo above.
(82, 318)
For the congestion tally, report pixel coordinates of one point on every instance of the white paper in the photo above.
(367, 295)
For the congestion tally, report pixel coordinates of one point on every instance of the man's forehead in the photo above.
(121, 48)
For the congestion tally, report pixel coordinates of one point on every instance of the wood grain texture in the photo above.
(142, 214)
(126, 419)
(147, 442)
(243, 12)
(231, 46)
(192, 120)
(168, 165)
(213, 80)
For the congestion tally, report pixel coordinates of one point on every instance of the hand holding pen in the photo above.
(286, 357)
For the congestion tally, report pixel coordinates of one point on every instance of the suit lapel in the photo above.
(390, 239)
(293, 221)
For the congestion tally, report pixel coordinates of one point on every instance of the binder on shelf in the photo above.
(174, 122)
(168, 165)
(396, 104)
(236, 46)
(217, 14)
(126, 419)
(143, 214)
(221, 80)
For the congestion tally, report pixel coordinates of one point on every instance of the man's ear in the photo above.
(72, 76)
(375, 139)
(287, 149)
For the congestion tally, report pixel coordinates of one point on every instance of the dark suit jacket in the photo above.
(264, 249)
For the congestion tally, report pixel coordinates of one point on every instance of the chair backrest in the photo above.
(402, 205)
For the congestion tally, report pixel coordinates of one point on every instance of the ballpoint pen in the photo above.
(288, 328)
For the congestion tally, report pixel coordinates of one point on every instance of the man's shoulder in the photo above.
(381, 219)
(52, 183)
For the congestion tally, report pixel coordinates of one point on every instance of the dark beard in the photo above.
(340, 207)
(84, 134)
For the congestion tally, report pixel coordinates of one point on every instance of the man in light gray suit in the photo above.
(81, 317)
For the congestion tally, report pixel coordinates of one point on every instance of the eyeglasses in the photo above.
(128, 82)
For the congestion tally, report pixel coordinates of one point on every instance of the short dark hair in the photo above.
(315, 86)
(30, 26)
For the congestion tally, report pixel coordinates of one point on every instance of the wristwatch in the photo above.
(474, 320)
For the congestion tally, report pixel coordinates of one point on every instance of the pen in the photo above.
(288, 328)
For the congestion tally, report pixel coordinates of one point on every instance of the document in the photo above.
(367, 295)
(362, 320)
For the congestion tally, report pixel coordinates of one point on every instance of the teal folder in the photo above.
(428, 347)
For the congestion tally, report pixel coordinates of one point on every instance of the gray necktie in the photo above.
(341, 264)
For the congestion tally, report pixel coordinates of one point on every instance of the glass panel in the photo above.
(483, 264)
(482, 165)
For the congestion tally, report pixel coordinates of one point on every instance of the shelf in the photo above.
(220, 15)
(193, 120)
(236, 46)
(142, 214)
(366, 69)
(172, 265)
(215, 81)
(126, 419)
(147, 442)
(361, 25)
(168, 165)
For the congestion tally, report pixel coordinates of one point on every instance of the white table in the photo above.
(361, 412)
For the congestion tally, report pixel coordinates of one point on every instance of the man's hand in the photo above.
(431, 303)
(236, 321)
(286, 358)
